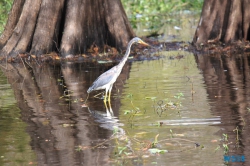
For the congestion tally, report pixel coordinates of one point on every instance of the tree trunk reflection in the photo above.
(227, 82)
(50, 98)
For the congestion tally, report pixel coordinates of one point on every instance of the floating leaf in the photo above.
(103, 62)
(141, 133)
(67, 125)
(121, 149)
(155, 150)
(179, 135)
(126, 112)
(152, 98)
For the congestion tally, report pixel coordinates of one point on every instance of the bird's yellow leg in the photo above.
(110, 88)
(104, 100)
(105, 105)
(105, 97)
(109, 95)
(109, 98)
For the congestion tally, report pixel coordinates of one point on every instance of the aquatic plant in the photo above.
(225, 144)
(5, 6)
(237, 134)
(226, 148)
(171, 133)
(155, 12)
(133, 111)
(173, 103)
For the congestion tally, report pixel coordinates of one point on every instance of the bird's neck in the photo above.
(124, 59)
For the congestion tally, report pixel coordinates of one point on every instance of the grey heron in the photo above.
(108, 78)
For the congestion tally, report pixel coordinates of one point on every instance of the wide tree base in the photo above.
(67, 27)
(224, 21)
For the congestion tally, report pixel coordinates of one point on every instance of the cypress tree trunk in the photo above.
(225, 21)
(69, 27)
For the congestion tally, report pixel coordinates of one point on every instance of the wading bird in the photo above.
(107, 79)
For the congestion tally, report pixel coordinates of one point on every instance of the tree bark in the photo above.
(223, 20)
(68, 27)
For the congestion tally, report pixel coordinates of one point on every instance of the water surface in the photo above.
(190, 105)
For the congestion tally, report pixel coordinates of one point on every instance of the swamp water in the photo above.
(182, 109)
(188, 111)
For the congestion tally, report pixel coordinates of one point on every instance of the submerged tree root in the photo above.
(110, 54)
(213, 47)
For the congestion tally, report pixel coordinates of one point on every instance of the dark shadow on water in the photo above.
(51, 97)
(227, 80)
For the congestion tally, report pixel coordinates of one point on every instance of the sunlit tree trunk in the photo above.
(68, 27)
(226, 21)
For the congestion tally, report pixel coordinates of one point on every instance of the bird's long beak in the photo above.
(144, 43)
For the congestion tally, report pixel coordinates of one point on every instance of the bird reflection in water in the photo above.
(107, 120)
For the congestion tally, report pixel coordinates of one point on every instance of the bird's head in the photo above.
(140, 41)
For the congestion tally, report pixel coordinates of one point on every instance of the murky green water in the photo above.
(15, 141)
(174, 103)
(190, 120)
(194, 109)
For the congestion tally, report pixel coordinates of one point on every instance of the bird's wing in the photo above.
(104, 79)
